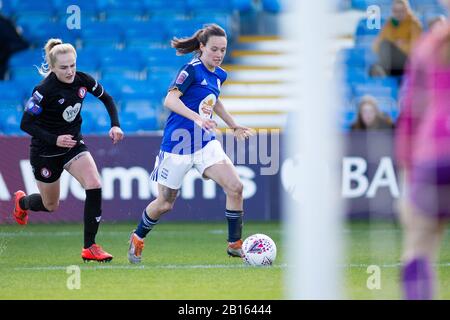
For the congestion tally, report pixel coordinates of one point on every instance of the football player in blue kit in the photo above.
(189, 138)
(52, 117)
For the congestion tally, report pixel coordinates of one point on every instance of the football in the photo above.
(259, 250)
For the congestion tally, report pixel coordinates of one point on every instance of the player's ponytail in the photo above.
(52, 48)
(191, 44)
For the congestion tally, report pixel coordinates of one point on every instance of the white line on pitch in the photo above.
(169, 266)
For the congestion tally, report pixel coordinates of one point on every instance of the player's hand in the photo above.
(116, 134)
(207, 124)
(242, 133)
(66, 141)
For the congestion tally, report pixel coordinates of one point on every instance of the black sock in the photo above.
(234, 218)
(32, 202)
(92, 215)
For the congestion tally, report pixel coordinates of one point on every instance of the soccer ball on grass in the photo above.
(259, 250)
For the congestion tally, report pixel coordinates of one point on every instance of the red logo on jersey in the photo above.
(82, 92)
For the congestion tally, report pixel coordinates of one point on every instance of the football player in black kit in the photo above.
(52, 118)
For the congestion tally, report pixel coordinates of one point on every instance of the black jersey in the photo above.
(54, 109)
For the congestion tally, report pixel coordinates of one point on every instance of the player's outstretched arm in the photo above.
(115, 133)
(239, 131)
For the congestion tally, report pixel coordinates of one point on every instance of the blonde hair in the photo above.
(52, 48)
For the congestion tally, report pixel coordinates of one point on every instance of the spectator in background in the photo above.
(10, 42)
(370, 117)
(394, 43)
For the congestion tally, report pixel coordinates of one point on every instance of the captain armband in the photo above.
(32, 106)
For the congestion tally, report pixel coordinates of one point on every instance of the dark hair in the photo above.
(191, 44)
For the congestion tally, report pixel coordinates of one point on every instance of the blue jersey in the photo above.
(198, 85)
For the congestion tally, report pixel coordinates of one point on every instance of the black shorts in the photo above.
(48, 169)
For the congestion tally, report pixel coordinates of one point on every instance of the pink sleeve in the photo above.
(412, 104)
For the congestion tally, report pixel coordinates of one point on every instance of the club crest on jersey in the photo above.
(182, 77)
(82, 92)
(61, 101)
(46, 173)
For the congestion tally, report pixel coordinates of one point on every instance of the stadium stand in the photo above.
(354, 61)
(125, 45)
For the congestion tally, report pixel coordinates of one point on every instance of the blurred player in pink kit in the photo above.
(423, 155)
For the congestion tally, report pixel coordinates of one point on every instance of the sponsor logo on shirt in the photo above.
(70, 113)
(182, 77)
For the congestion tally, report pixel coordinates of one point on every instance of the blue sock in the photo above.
(145, 226)
(234, 218)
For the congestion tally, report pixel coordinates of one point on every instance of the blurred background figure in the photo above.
(394, 43)
(370, 117)
(10, 42)
(422, 140)
(436, 21)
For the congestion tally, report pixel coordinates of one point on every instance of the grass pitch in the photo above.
(185, 261)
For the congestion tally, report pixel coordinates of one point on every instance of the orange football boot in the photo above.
(19, 214)
(235, 249)
(96, 253)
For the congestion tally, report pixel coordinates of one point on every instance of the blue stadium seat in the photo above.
(378, 91)
(38, 34)
(363, 4)
(89, 9)
(26, 58)
(201, 19)
(205, 5)
(272, 6)
(162, 10)
(27, 80)
(165, 58)
(13, 95)
(118, 10)
(107, 35)
(127, 63)
(161, 80)
(357, 57)
(33, 9)
(129, 122)
(10, 121)
(132, 90)
(95, 115)
(144, 112)
(146, 34)
(242, 5)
